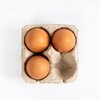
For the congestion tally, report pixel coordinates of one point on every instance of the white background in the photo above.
(85, 14)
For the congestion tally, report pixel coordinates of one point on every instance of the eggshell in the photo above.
(37, 67)
(63, 40)
(37, 40)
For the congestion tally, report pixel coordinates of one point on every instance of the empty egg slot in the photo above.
(67, 66)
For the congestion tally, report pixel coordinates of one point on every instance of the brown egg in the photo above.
(37, 40)
(37, 67)
(63, 40)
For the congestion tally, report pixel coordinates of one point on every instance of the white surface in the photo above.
(85, 14)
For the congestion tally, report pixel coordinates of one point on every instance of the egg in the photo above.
(37, 40)
(64, 40)
(37, 67)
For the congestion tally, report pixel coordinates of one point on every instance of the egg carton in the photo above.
(63, 65)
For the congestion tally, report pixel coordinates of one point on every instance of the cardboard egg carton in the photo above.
(63, 65)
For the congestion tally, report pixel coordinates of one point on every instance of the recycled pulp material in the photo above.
(63, 65)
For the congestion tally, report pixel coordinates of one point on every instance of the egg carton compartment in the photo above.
(63, 65)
